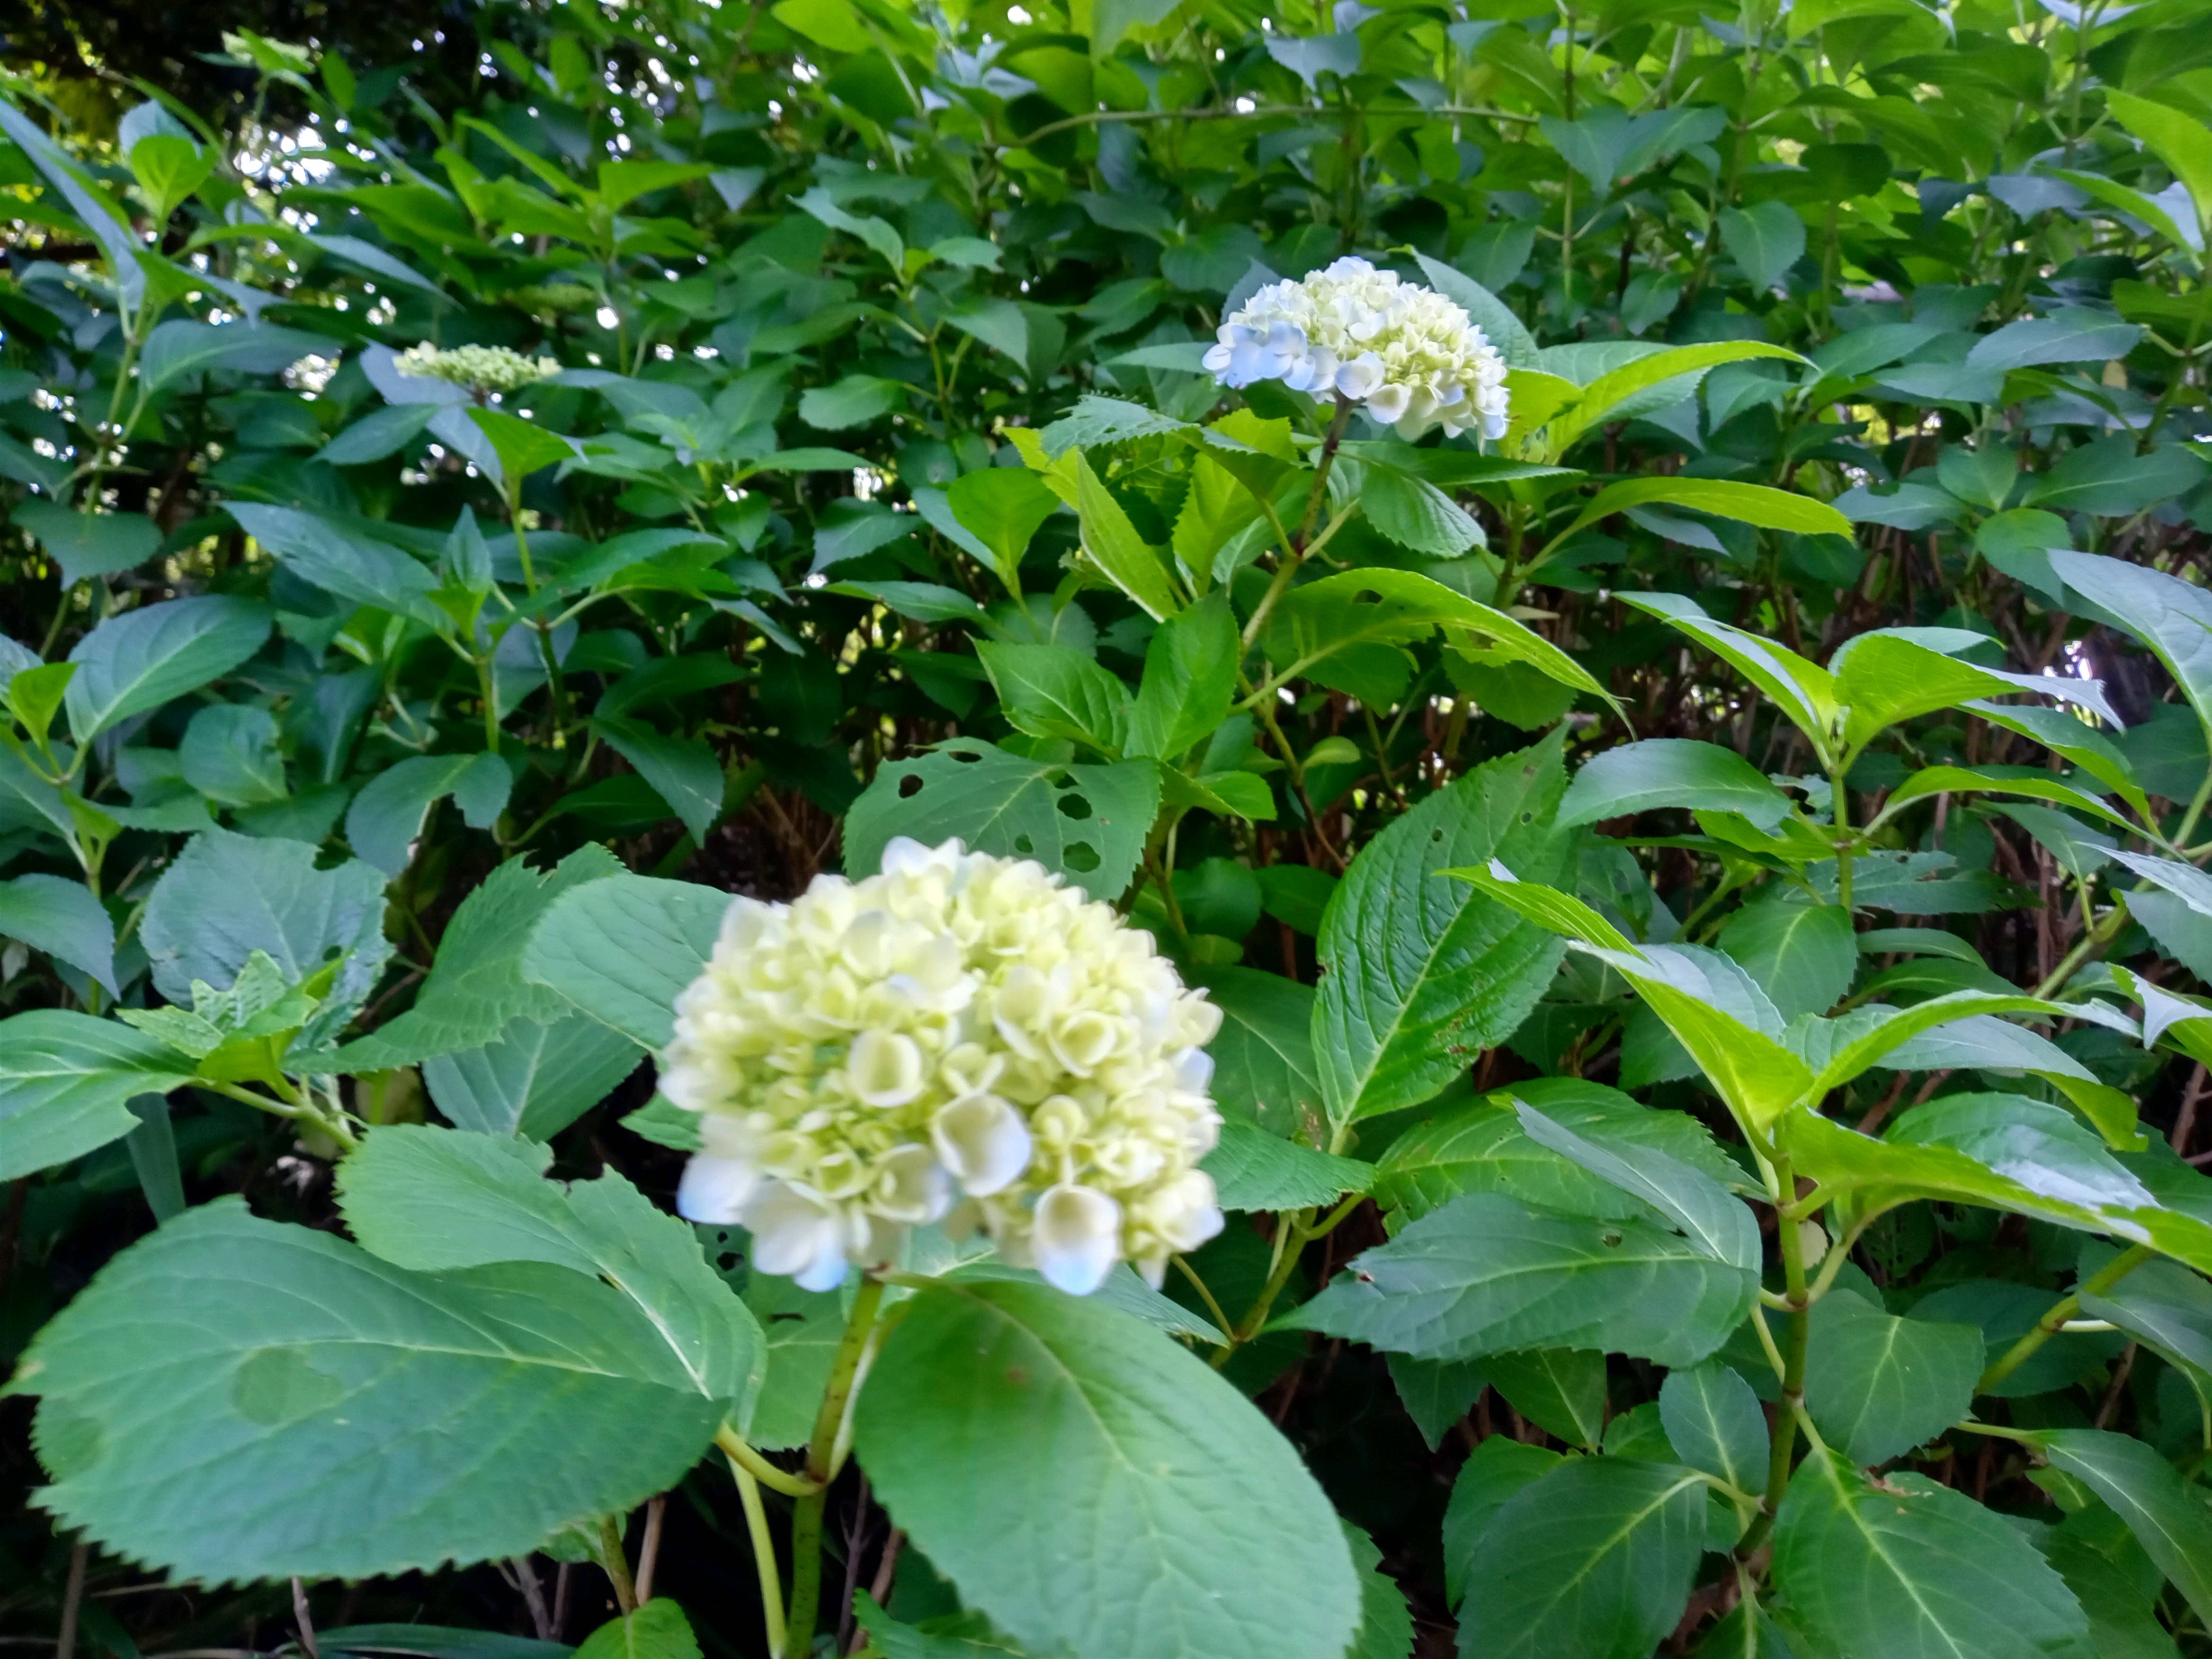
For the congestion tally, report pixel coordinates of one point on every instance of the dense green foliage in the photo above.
(1704, 888)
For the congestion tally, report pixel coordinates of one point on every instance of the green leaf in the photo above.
(1386, 1623)
(1561, 1390)
(620, 950)
(1436, 1395)
(1607, 394)
(107, 224)
(1417, 515)
(520, 1396)
(1714, 1422)
(658, 1629)
(1003, 508)
(1055, 692)
(2108, 478)
(2167, 1513)
(802, 1332)
(2177, 139)
(230, 753)
(1319, 620)
(1905, 1569)
(1489, 312)
(1765, 240)
(1886, 678)
(169, 169)
(1594, 1560)
(1877, 1385)
(1497, 1469)
(1803, 955)
(2170, 615)
(66, 1082)
(2001, 780)
(178, 348)
(685, 772)
(63, 919)
(227, 895)
(1803, 690)
(85, 545)
(1190, 676)
(522, 448)
(1488, 1274)
(1422, 973)
(141, 658)
(535, 1080)
(1481, 1146)
(385, 819)
(1087, 822)
(1113, 545)
(2067, 336)
(1753, 504)
(1682, 772)
(1091, 1487)
(2167, 1308)
(433, 1200)
(379, 434)
(346, 566)
(1256, 1170)
(475, 993)
(1699, 1207)
(1263, 1058)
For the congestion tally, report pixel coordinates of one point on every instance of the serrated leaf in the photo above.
(1905, 1569)
(1089, 1485)
(534, 1080)
(141, 658)
(1680, 772)
(174, 1382)
(620, 950)
(1594, 1559)
(1877, 1385)
(1422, 973)
(1087, 822)
(66, 1082)
(1256, 1170)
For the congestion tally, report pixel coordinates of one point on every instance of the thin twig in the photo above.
(534, 1597)
(72, 1599)
(305, 1620)
(648, 1552)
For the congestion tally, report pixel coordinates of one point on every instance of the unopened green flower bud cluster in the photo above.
(960, 1039)
(480, 369)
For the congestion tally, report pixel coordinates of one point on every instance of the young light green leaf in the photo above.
(1609, 390)
(1883, 678)
(1190, 675)
(657, 1630)
(1002, 508)
(1055, 692)
(1113, 545)
(1805, 692)
(990, 1403)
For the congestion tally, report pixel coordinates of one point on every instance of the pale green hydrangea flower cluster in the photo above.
(960, 1039)
(483, 369)
(1405, 354)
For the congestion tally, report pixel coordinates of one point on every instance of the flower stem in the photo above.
(821, 1469)
(1784, 1445)
(616, 1563)
(771, 1583)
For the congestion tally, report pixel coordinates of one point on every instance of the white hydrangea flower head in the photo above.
(960, 1031)
(480, 369)
(1405, 354)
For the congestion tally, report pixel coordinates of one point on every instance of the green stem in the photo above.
(821, 1459)
(617, 1563)
(763, 1543)
(1293, 1242)
(2060, 1311)
(1843, 803)
(1785, 1446)
(743, 1456)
